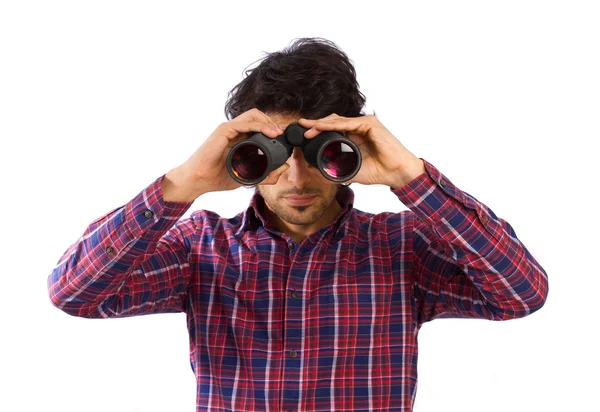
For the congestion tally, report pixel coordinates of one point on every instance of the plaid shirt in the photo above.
(329, 324)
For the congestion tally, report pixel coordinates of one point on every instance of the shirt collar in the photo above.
(253, 215)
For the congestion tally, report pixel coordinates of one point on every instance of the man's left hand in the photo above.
(384, 159)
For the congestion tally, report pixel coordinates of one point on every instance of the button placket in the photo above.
(292, 365)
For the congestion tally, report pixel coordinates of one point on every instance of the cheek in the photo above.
(265, 192)
(271, 193)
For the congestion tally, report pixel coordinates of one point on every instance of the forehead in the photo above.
(283, 120)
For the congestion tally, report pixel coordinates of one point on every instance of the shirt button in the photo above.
(484, 218)
(148, 214)
(110, 250)
(442, 183)
(295, 295)
(291, 245)
(293, 354)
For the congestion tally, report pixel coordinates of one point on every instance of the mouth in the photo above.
(300, 200)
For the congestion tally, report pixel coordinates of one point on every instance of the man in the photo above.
(302, 302)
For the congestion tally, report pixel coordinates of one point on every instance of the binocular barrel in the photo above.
(335, 155)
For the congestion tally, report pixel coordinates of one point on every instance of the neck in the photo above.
(300, 232)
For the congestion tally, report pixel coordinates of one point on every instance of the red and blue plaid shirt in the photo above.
(328, 324)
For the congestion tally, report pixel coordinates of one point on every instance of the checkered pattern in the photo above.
(330, 324)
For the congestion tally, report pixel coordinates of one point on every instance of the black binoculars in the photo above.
(335, 155)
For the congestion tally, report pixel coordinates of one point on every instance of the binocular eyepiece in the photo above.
(336, 156)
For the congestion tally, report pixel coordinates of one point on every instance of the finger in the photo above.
(235, 128)
(258, 116)
(273, 177)
(340, 124)
(331, 116)
(310, 122)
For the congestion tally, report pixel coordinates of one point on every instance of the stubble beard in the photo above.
(301, 215)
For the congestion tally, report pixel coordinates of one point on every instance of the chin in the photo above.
(300, 208)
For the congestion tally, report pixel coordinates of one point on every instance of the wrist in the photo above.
(407, 174)
(176, 187)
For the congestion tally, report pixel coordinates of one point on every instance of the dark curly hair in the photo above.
(311, 78)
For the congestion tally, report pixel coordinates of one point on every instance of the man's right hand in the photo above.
(206, 170)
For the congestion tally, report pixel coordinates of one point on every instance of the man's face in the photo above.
(302, 195)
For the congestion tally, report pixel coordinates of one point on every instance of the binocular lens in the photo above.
(248, 162)
(339, 159)
(335, 155)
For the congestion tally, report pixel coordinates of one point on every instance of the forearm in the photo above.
(501, 272)
(97, 267)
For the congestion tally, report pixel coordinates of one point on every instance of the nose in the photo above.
(298, 174)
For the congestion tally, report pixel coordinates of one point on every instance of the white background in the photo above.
(98, 99)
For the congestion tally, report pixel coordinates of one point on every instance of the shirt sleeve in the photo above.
(132, 261)
(467, 262)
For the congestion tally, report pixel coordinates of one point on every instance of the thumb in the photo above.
(273, 177)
